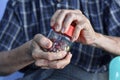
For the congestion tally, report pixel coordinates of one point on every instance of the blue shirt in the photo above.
(25, 18)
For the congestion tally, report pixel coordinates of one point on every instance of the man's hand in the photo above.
(48, 59)
(84, 32)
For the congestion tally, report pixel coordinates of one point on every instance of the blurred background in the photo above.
(15, 75)
(2, 7)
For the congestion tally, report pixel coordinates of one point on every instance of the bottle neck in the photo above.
(57, 34)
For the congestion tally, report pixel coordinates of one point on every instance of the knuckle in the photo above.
(79, 11)
(83, 17)
(58, 10)
(87, 20)
(85, 24)
(34, 55)
(63, 11)
(71, 15)
(37, 36)
(78, 27)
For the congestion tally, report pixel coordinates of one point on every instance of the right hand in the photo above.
(83, 32)
(57, 60)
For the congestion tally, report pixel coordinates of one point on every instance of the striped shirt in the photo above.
(25, 18)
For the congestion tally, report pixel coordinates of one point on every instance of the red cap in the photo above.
(69, 33)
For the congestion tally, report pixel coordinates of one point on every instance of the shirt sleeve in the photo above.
(11, 31)
(112, 17)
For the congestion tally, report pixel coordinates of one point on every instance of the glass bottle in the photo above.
(61, 42)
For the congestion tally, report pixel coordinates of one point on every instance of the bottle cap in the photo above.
(70, 31)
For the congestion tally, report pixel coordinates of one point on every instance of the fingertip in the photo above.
(69, 55)
(49, 44)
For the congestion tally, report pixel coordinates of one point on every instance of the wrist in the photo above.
(28, 50)
(97, 40)
(25, 51)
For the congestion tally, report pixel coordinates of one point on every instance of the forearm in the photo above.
(108, 43)
(15, 59)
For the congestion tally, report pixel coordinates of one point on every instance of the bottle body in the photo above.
(60, 42)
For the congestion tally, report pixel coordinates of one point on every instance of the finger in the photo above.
(77, 32)
(42, 41)
(37, 54)
(68, 58)
(54, 17)
(71, 17)
(53, 55)
(41, 63)
(35, 49)
(34, 45)
(60, 63)
(59, 20)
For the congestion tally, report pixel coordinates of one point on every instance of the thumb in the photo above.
(42, 41)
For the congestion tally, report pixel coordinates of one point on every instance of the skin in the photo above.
(84, 32)
(31, 52)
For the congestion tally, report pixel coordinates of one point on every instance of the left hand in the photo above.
(46, 59)
(62, 19)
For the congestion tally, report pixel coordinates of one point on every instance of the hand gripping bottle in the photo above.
(61, 42)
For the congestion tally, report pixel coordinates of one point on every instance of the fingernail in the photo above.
(47, 44)
(57, 28)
